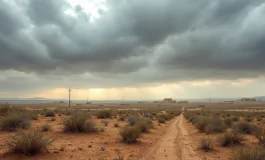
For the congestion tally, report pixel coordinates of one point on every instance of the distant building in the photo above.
(248, 100)
(168, 100)
(227, 102)
(182, 102)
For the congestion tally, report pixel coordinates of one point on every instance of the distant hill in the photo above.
(260, 98)
(34, 98)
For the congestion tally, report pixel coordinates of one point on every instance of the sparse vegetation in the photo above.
(46, 128)
(104, 114)
(130, 134)
(260, 134)
(122, 118)
(34, 116)
(206, 144)
(106, 123)
(116, 124)
(14, 122)
(230, 139)
(49, 114)
(256, 153)
(248, 118)
(120, 156)
(4, 109)
(144, 124)
(79, 123)
(28, 143)
(244, 127)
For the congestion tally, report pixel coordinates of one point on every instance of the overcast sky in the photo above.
(143, 49)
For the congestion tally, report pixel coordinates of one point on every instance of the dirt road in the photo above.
(174, 145)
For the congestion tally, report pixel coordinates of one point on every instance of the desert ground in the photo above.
(133, 131)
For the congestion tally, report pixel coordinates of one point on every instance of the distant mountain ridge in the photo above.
(178, 99)
(34, 98)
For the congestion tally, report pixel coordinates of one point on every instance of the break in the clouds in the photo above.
(128, 43)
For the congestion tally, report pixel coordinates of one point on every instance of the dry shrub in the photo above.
(130, 134)
(244, 127)
(14, 122)
(104, 114)
(132, 120)
(28, 143)
(208, 124)
(120, 156)
(235, 118)
(122, 118)
(46, 128)
(249, 119)
(167, 116)
(256, 153)
(194, 119)
(259, 118)
(34, 116)
(202, 123)
(79, 123)
(260, 134)
(116, 124)
(49, 114)
(106, 123)
(215, 126)
(230, 139)
(228, 121)
(206, 144)
(161, 119)
(4, 109)
(144, 124)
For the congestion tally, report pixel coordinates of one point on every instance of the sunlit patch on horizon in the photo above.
(241, 82)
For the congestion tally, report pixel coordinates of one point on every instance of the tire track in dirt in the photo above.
(174, 145)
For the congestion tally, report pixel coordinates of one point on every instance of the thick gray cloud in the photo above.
(132, 43)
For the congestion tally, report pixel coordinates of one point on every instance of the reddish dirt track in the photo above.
(174, 145)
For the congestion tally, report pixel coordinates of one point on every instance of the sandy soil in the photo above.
(174, 145)
(219, 153)
(82, 146)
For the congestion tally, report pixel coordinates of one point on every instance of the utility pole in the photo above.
(70, 97)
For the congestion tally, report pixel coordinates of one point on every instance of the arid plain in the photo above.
(132, 131)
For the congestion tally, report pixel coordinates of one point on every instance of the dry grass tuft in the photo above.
(28, 143)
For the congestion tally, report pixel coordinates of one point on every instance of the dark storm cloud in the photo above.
(170, 40)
